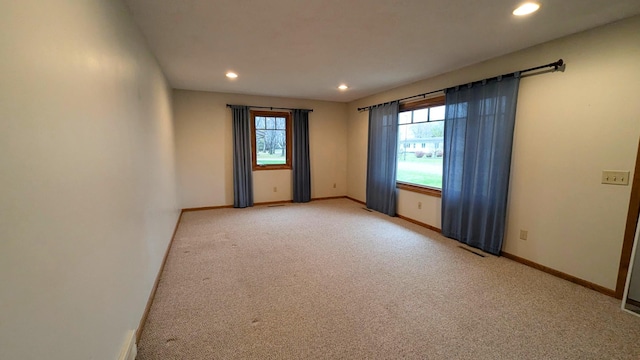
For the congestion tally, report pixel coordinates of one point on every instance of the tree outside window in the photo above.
(271, 133)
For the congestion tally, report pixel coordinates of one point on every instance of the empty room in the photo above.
(207, 179)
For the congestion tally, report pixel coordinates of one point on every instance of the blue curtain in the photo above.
(301, 164)
(478, 137)
(242, 171)
(382, 158)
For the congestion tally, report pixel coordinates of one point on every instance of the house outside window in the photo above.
(421, 123)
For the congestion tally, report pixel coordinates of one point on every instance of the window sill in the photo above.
(272, 167)
(419, 189)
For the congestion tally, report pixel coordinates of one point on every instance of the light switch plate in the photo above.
(615, 177)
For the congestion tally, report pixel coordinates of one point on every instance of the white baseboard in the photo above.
(129, 349)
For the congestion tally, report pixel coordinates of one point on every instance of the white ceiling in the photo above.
(306, 48)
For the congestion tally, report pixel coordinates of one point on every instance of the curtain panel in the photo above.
(301, 165)
(478, 138)
(242, 171)
(382, 158)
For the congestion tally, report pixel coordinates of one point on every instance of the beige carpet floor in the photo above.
(329, 280)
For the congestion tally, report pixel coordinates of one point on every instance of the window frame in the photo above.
(412, 106)
(288, 138)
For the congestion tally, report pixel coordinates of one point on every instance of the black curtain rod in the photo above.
(271, 107)
(555, 65)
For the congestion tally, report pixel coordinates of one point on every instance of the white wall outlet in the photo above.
(419, 205)
(524, 234)
(275, 189)
(334, 185)
(615, 177)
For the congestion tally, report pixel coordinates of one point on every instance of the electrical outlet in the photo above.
(334, 185)
(615, 177)
(419, 205)
(275, 189)
(523, 234)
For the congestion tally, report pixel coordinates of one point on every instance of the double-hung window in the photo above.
(420, 144)
(271, 136)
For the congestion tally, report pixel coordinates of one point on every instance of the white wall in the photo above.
(569, 127)
(205, 149)
(87, 189)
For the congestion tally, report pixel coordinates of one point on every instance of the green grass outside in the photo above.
(271, 159)
(421, 171)
(420, 178)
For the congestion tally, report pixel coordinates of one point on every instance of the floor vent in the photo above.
(471, 251)
(369, 210)
(276, 205)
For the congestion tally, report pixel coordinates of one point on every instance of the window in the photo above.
(421, 123)
(271, 136)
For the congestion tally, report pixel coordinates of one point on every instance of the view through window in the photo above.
(420, 146)
(271, 135)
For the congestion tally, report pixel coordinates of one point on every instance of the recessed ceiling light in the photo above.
(343, 87)
(526, 9)
(232, 75)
